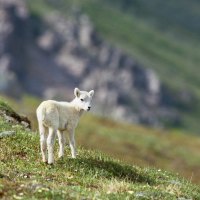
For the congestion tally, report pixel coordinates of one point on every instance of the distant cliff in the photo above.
(48, 57)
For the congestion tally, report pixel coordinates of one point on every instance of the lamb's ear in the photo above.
(77, 92)
(91, 93)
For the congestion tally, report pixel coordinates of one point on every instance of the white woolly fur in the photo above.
(61, 118)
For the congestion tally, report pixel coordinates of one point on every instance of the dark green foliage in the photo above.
(181, 15)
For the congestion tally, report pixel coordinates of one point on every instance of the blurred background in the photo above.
(141, 57)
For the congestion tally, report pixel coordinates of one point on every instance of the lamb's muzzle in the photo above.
(89, 108)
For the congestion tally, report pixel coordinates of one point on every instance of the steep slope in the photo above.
(48, 54)
(91, 175)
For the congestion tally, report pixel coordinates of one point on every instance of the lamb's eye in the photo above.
(82, 100)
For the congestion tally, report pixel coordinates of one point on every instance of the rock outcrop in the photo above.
(11, 116)
(50, 56)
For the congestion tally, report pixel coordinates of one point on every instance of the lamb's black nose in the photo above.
(89, 108)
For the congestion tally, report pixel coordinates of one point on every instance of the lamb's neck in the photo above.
(76, 109)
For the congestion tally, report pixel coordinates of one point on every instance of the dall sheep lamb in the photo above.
(61, 117)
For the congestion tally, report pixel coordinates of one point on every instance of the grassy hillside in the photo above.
(161, 35)
(175, 151)
(91, 176)
(168, 150)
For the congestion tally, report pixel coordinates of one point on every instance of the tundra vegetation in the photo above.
(92, 175)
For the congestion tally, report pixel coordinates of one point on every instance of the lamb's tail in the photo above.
(41, 113)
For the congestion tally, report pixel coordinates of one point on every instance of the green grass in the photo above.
(179, 16)
(169, 150)
(5, 108)
(92, 175)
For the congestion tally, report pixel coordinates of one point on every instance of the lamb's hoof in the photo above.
(61, 157)
(45, 161)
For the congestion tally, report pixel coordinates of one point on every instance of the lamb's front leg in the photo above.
(50, 144)
(72, 143)
(62, 141)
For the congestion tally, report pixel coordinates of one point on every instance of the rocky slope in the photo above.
(50, 56)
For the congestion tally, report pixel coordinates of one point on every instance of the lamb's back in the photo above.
(47, 112)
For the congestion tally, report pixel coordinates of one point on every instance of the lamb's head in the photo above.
(83, 99)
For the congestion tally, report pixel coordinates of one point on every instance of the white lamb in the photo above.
(61, 117)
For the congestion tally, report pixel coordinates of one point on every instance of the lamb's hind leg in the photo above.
(43, 142)
(50, 145)
(62, 141)
(72, 143)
